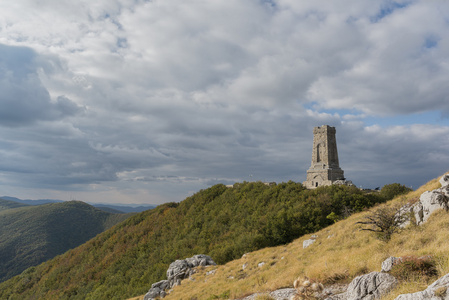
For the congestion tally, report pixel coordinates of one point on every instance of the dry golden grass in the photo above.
(340, 253)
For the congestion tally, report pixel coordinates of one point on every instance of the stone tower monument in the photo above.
(325, 169)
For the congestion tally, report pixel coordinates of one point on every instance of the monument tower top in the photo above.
(325, 168)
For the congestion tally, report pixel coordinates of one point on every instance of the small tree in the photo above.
(389, 191)
(385, 221)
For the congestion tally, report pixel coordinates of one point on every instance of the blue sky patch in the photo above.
(387, 9)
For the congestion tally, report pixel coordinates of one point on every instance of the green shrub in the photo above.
(389, 191)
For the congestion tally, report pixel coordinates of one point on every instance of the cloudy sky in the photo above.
(132, 101)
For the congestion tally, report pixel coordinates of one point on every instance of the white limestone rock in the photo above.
(281, 294)
(307, 243)
(157, 290)
(176, 272)
(200, 260)
(211, 272)
(444, 180)
(444, 190)
(389, 262)
(369, 287)
(310, 241)
(427, 204)
(430, 293)
(431, 201)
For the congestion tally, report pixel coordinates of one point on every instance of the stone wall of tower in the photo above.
(325, 168)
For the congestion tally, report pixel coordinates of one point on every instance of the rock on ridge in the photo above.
(444, 180)
(431, 201)
(177, 271)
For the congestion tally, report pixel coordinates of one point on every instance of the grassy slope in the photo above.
(30, 235)
(221, 222)
(341, 252)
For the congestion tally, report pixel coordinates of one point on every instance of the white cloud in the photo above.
(165, 97)
(402, 70)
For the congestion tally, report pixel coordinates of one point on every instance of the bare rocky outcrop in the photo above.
(435, 291)
(432, 200)
(368, 287)
(281, 294)
(389, 262)
(427, 204)
(444, 180)
(183, 268)
(176, 272)
(157, 290)
(419, 212)
(309, 242)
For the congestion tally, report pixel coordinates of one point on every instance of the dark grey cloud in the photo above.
(409, 155)
(23, 99)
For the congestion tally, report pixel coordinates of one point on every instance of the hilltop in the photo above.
(219, 221)
(30, 235)
(341, 252)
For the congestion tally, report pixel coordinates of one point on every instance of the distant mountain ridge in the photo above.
(124, 208)
(31, 202)
(6, 204)
(32, 234)
(113, 208)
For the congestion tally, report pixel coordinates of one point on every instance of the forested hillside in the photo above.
(30, 235)
(5, 204)
(219, 221)
(341, 252)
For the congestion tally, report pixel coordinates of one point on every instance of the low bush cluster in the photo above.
(414, 268)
